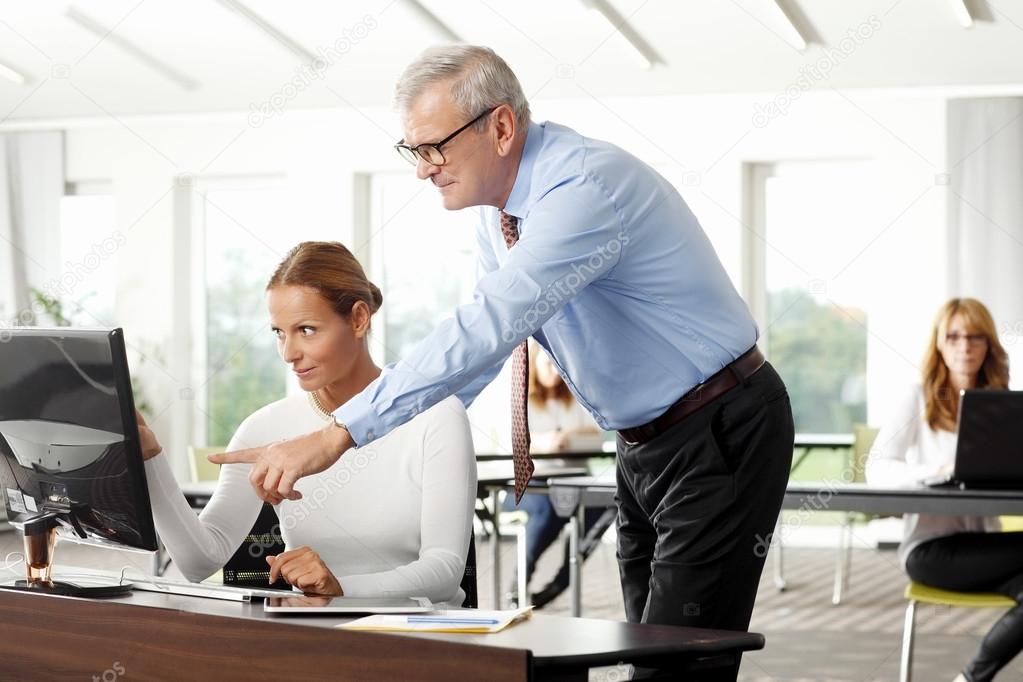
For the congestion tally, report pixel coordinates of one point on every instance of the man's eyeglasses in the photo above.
(431, 153)
(971, 339)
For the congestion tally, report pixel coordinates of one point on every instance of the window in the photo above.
(244, 232)
(423, 258)
(810, 291)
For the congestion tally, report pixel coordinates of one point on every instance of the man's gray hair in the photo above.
(479, 80)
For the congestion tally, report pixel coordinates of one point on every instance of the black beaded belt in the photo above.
(740, 369)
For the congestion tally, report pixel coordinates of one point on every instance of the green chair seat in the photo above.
(917, 593)
(975, 600)
(1011, 524)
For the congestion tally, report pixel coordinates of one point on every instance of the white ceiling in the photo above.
(554, 45)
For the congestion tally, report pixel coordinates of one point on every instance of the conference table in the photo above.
(571, 495)
(158, 636)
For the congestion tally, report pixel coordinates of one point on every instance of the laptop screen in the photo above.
(989, 450)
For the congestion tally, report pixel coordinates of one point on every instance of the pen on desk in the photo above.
(451, 621)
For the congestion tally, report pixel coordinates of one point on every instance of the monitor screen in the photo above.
(68, 435)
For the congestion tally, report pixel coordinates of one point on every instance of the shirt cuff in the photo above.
(359, 417)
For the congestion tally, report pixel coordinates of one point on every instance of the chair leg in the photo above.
(848, 553)
(522, 586)
(779, 560)
(906, 666)
(843, 560)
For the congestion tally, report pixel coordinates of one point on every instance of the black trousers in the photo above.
(978, 562)
(697, 506)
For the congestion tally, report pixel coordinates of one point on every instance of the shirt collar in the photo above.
(518, 201)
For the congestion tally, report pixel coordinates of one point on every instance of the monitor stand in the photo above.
(40, 538)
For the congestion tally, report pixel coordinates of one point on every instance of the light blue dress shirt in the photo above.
(612, 275)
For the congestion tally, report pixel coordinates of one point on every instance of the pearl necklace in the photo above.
(318, 407)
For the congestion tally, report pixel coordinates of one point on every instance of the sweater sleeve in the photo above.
(448, 499)
(201, 545)
(887, 464)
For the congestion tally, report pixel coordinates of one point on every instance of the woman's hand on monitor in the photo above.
(147, 439)
(303, 568)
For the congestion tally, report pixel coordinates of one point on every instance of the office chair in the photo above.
(468, 583)
(918, 593)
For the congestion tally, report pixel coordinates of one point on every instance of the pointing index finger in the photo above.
(236, 457)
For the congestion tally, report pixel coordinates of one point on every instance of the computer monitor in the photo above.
(71, 460)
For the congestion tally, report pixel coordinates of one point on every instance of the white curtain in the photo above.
(31, 186)
(985, 150)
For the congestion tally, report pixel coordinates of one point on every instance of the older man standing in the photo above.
(597, 257)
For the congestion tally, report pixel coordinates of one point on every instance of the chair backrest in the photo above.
(200, 468)
(863, 439)
(247, 567)
(468, 584)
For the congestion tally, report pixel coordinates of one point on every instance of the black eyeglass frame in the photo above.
(413, 153)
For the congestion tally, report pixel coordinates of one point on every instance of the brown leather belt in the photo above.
(703, 394)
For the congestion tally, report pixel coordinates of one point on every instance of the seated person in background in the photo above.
(557, 423)
(919, 441)
(392, 519)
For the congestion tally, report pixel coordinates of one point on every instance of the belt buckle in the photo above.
(644, 432)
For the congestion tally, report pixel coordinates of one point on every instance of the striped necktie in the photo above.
(519, 387)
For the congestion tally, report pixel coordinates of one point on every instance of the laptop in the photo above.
(989, 449)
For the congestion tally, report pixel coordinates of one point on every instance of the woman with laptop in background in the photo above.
(919, 441)
(390, 520)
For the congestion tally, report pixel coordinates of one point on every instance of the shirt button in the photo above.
(369, 434)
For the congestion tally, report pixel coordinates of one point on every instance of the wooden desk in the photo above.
(154, 636)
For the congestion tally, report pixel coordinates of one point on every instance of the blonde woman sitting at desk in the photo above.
(953, 552)
(391, 519)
